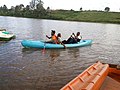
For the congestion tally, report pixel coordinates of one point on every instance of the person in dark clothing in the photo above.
(73, 39)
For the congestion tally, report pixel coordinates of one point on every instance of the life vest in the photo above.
(54, 38)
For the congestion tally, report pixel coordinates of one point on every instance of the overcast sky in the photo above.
(70, 4)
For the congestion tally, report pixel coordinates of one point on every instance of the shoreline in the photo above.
(80, 16)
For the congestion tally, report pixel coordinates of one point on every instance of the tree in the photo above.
(32, 4)
(36, 4)
(48, 9)
(40, 2)
(21, 6)
(71, 10)
(27, 8)
(12, 11)
(81, 9)
(12, 8)
(107, 9)
(4, 8)
(17, 8)
(39, 6)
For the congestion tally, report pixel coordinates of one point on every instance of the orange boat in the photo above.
(98, 76)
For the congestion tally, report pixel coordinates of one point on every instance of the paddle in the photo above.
(63, 45)
(43, 51)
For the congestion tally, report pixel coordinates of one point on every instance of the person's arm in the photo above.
(48, 37)
(74, 35)
(63, 45)
(59, 41)
(81, 37)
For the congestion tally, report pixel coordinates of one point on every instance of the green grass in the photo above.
(86, 16)
(70, 15)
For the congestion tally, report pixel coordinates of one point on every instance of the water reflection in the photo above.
(74, 52)
(3, 42)
(28, 50)
(54, 54)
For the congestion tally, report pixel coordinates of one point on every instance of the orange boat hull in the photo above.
(92, 78)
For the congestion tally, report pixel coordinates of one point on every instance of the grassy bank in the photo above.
(86, 16)
(68, 15)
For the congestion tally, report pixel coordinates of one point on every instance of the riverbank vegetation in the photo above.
(86, 16)
(36, 10)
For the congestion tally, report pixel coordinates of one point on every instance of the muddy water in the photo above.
(30, 69)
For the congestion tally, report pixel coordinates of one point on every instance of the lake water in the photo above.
(30, 69)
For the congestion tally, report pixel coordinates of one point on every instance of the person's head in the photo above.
(52, 32)
(78, 33)
(59, 35)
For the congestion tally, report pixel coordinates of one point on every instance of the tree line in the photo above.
(35, 9)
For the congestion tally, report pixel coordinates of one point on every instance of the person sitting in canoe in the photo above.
(73, 38)
(53, 38)
(59, 41)
(78, 37)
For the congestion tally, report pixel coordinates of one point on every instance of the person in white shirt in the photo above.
(78, 37)
(59, 41)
